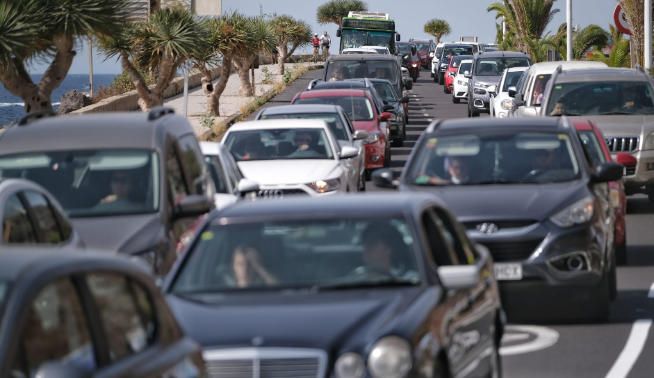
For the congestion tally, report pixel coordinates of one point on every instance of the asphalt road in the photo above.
(619, 348)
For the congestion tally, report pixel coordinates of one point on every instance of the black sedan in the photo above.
(525, 189)
(84, 314)
(346, 286)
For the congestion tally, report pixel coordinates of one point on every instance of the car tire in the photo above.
(387, 157)
(496, 363)
(367, 174)
(397, 142)
(474, 113)
(650, 194)
(621, 254)
(362, 183)
(613, 281)
(599, 308)
(445, 89)
(435, 78)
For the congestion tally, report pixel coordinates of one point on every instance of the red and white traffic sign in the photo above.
(620, 20)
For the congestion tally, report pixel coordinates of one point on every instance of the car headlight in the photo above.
(648, 144)
(350, 365)
(390, 358)
(372, 138)
(507, 104)
(324, 186)
(479, 91)
(577, 213)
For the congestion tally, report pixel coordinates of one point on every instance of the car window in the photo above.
(592, 147)
(194, 170)
(358, 69)
(46, 220)
(16, 224)
(176, 183)
(333, 120)
(511, 80)
(127, 314)
(495, 66)
(217, 173)
(386, 91)
(440, 244)
(601, 98)
(461, 246)
(280, 144)
(538, 88)
(359, 108)
(55, 330)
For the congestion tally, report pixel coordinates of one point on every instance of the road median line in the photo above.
(632, 349)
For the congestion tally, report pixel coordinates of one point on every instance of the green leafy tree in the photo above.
(289, 35)
(619, 54)
(159, 45)
(437, 28)
(635, 13)
(259, 39)
(333, 11)
(48, 30)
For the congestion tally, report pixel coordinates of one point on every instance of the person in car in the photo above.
(248, 270)
(559, 109)
(303, 145)
(455, 167)
(250, 149)
(121, 192)
(337, 75)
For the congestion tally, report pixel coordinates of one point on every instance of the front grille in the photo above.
(500, 225)
(512, 251)
(622, 144)
(280, 193)
(265, 363)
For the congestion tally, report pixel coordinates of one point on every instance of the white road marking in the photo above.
(632, 349)
(425, 114)
(543, 338)
(651, 292)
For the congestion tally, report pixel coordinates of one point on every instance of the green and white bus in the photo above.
(368, 29)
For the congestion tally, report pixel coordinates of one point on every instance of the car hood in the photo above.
(491, 202)
(327, 321)
(122, 233)
(298, 171)
(622, 125)
(492, 80)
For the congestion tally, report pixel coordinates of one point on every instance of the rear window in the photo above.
(358, 108)
(334, 121)
(495, 66)
(357, 69)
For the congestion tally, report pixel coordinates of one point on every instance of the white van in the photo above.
(528, 95)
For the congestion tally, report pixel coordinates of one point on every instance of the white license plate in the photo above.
(508, 272)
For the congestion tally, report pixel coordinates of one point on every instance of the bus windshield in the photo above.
(351, 38)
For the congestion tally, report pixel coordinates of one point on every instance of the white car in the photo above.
(460, 89)
(435, 57)
(227, 178)
(293, 157)
(501, 103)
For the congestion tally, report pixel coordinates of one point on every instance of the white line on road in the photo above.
(651, 292)
(536, 338)
(632, 349)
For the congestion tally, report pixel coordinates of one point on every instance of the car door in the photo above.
(466, 330)
(139, 339)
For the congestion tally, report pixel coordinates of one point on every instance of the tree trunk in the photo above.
(242, 68)
(206, 79)
(145, 100)
(282, 56)
(213, 100)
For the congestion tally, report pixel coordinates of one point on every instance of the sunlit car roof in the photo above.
(602, 74)
(300, 109)
(271, 124)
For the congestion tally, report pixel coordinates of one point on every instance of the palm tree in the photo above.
(289, 34)
(437, 28)
(160, 45)
(635, 13)
(49, 30)
(333, 11)
(619, 56)
(259, 39)
(589, 38)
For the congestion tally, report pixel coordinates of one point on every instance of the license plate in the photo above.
(508, 272)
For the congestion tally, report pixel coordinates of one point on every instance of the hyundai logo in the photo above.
(487, 228)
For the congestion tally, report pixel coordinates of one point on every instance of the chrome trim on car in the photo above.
(213, 358)
(623, 144)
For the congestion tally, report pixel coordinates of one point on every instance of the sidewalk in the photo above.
(230, 101)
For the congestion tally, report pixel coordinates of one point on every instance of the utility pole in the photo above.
(568, 19)
(647, 61)
(91, 67)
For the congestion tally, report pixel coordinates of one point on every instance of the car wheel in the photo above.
(650, 194)
(362, 183)
(397, 142)
(496, 363)
(474, 113)
(621, 254)
(599, 308)
(387, 157)
(435, 78)
(456, 100)
(445, 89)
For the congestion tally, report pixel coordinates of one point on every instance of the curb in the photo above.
(236, 117)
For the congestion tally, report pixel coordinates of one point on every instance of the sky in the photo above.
(466, 17)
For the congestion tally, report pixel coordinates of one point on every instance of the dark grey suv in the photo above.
(525, 189)
(130, 182)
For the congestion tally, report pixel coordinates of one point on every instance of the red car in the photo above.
(452, 69)
(365, 115)
(598, 152)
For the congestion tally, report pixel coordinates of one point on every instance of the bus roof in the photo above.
(369, 16)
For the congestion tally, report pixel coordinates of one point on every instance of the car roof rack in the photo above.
(159, 111)
(29, 118)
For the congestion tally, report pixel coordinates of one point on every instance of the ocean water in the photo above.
(11, 107)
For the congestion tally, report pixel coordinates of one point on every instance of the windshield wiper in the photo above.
(617, 112)
(390, 282)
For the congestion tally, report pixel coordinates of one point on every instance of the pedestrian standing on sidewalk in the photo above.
(315, 42)
(325, 42)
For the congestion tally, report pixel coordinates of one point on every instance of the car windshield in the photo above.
(458, 59)
(334, 121)
(511, 80)
(90, 183)
(601, 98)
(358, 108)
(495, 66)
(458, 50)
(277, 144)
(358, 69)
(351, 38)
(403, 48)
(592, 147)
(303, 254)
(386, 91)
(465, 67)
(423, 46)
(494, 158)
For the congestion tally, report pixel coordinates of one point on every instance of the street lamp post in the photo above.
(647, 61)
(568, 19)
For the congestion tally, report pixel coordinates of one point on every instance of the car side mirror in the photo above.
(405, 100)
(459, 277)
(385, 116)
(384, 178)
(519, 100)
(192, 206)
(349, 152)
(512, 91)
(388, 108)
(626, 159)
(492, 89)
(607, 172)
(408, 84)
(360, 135)
(246, 186)
(338, 33)
(59, 370)
(397, 37)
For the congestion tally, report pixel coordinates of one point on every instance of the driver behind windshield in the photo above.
(121, 192)
(381, 252)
